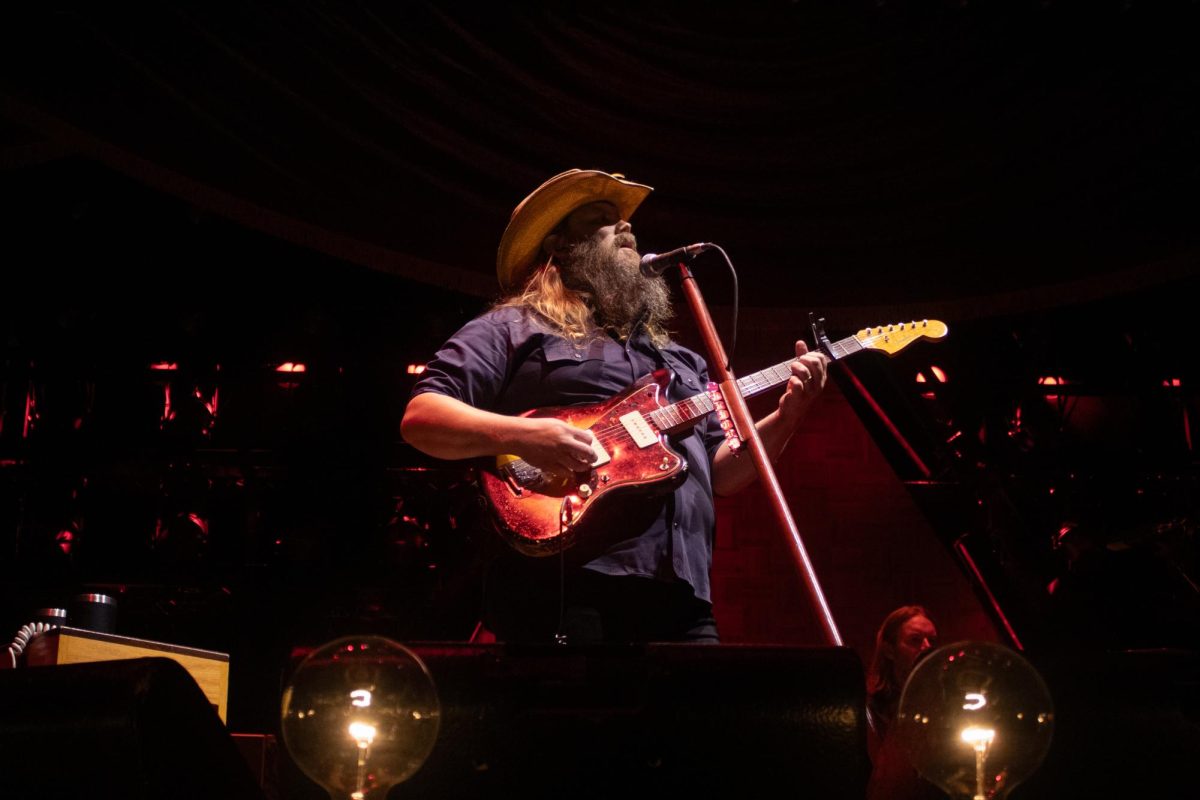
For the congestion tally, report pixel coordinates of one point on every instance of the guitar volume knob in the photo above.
(585, 490)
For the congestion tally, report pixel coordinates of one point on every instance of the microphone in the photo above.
(654, 264)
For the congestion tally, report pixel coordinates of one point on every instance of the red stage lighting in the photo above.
(65, 541)
(939, 376)
(294, 368)
(1051, 380)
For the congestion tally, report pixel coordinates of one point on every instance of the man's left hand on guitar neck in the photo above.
(809, 373)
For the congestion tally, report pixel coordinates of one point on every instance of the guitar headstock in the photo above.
(891, 339)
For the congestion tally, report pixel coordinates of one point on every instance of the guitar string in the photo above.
(617, 432)
(763, 379)
(752, 382)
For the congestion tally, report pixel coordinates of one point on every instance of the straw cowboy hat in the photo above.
(536, 216)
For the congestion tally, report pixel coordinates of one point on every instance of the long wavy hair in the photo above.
(567, 312)
(881, 680)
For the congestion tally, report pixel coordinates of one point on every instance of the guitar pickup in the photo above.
(639, 429)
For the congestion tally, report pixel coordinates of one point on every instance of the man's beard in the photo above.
(611, 282)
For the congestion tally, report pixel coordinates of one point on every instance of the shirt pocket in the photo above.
(575, 373)
(558, 350)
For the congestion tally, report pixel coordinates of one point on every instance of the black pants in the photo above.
(593, 608)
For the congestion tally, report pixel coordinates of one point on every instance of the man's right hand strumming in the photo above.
(448, 428)
(554, 445)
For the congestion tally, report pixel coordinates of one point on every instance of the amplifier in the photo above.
(65, 645)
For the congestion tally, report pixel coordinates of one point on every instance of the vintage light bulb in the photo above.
(360, 715)
(975, 719)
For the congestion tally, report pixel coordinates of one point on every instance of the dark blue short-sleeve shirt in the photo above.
(507, 362)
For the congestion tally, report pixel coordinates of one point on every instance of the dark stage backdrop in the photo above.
(857, 154)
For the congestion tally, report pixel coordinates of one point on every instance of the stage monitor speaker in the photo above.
(659, 721)
(136, 729)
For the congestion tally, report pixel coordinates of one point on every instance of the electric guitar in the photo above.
(541, 512)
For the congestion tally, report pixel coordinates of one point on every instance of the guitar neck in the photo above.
(690, 411)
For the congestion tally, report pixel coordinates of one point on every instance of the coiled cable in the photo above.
(26, 635)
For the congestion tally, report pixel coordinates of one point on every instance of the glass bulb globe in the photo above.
(975, 719)
(360, 715)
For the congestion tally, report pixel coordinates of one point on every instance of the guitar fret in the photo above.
(672, 415)
(675, 415)
(681, 413)
(764, 379)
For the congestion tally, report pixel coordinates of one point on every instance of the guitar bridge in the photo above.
(521, 476)
(512, 482)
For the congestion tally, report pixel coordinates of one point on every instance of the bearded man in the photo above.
(579, 323)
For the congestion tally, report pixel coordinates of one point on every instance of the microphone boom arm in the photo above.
(654, 264)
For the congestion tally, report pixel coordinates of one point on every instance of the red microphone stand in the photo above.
(744, 424)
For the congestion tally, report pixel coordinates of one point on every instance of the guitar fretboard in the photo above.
(845, 347)
(695, 407)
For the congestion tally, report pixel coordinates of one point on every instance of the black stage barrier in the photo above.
(116, 729)
(690, 721)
